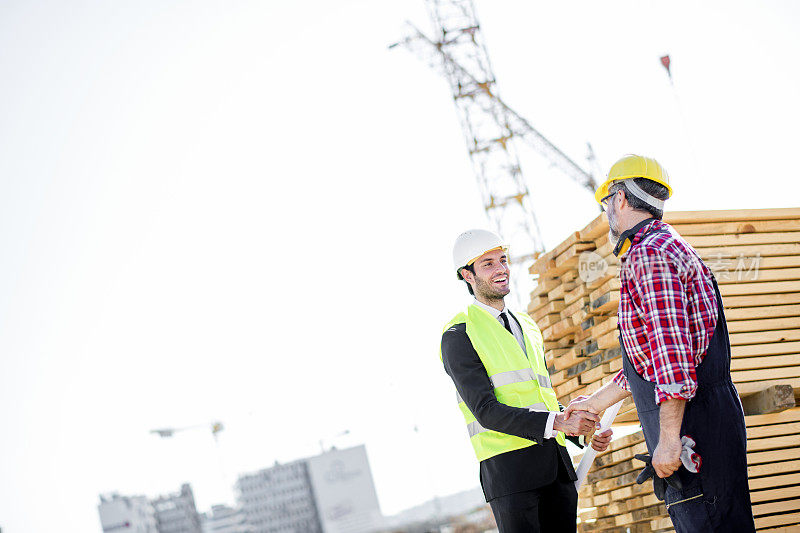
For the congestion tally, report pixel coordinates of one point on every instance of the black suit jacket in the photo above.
(521, 470)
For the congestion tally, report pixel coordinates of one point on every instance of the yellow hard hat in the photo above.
(634, 166)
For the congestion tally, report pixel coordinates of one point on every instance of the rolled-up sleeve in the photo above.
(621, 381)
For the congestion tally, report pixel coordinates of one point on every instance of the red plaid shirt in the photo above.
(667, 311)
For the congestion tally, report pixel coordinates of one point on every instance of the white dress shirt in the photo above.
(517, 332)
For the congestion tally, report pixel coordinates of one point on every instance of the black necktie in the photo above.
(505, 323)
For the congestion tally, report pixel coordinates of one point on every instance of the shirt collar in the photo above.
(651, 224)
(632, 236)
(488, 308)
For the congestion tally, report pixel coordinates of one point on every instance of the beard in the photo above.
(489, 291)
(613, 226)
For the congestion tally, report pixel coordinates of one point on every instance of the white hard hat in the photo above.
(472, 244)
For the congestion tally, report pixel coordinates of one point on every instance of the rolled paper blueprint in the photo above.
(590, 453)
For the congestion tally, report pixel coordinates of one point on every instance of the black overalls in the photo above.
(717, 498)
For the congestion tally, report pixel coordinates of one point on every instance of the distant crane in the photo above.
(490, 127)
(215, 427)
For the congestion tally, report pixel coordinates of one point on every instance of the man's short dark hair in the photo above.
(653, 188)
(471, 268)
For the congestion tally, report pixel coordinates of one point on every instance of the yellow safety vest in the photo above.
(518, 380)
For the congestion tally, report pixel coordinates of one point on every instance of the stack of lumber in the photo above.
(755, 256)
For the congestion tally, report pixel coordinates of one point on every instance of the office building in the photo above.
(279, 499)
(328, 493)
(126, 514)
(224, 519)
(176, 513)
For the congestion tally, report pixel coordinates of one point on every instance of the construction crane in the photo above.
(164, 433)
(491, 128)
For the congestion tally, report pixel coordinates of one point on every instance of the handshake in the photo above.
(579, 419)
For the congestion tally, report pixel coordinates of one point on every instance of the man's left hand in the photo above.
(600, 441)
(667, 457)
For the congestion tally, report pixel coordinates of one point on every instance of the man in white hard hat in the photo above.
(676, 358)
(495, 358)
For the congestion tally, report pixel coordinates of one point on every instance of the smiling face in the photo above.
(490, 282)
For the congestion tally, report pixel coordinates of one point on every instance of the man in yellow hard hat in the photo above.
(676, 358)
(495, 358)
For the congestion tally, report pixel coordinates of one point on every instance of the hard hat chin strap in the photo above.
(643, 196)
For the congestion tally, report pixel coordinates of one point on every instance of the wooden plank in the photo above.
(782, 529)
(661, 523)
(772, 443)
(611, 272)
(773, 481)
(785, 261)
(576, 294)
(749, 388)
(767, 311)
(791, 415)
(564, 245)
(774, 431)
(781, 335)
(596, 373)
(609, 286)
(605, 303)
(569, 275)
(723, 228)
(545, 285)
(759, 250)
(786, 347)
(548, 320)
(754, 458)
(609, 340)
(735, 302)
(699, 241)
(574, 307)
(770, 361)
(595, 228)
(612, 471)
(640, 515)
(772, 469)
(731, 215)
(777, 520)
(726, 276)
(561, 328)
(569, 259)
(758, 496)
(764, 374)
(559, 290)
(768, 287)
(552, 307)
(603, 325)
(776, 507)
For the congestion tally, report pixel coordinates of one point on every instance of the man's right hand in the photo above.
(580, 423)
(581, 404)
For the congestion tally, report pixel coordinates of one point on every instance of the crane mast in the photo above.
(490, 127)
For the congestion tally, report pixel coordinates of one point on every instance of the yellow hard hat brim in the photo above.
(602, 190)
(471, 261)
(504, 248)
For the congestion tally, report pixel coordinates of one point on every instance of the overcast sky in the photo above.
(244, 211)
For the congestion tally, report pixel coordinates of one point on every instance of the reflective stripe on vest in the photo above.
(519, 378)
(514, 376)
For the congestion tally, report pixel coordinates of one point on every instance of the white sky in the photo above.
(245, 210)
